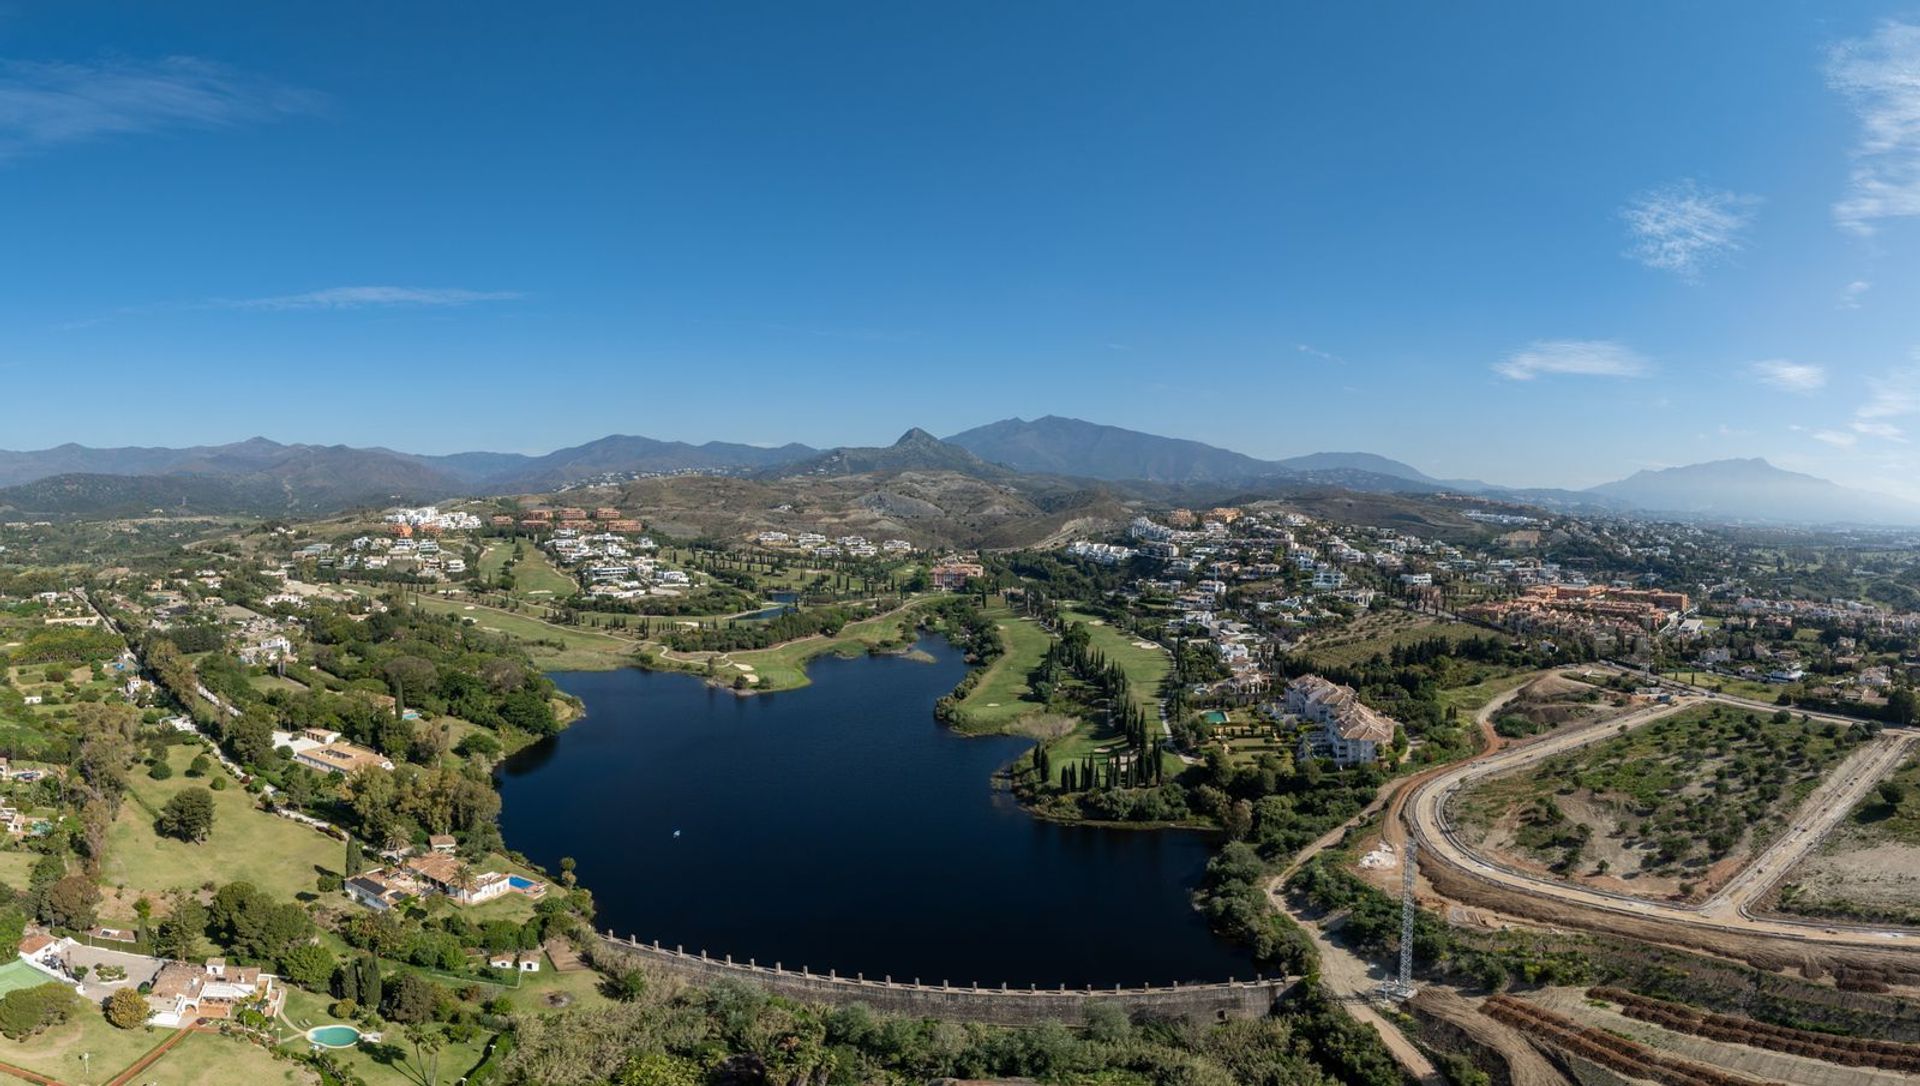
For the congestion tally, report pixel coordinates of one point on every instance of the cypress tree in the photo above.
(369, 981)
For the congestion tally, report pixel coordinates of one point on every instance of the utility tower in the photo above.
(1401, 987)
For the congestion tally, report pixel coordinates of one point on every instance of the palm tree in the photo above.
(426, 1053)
(464, 877)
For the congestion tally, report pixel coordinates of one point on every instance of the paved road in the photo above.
(1425, 815)
(1816, 818)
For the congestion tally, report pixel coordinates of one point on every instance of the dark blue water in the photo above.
(782, 603)
(839, 826)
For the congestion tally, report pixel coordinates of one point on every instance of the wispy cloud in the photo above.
(1880, 76)
(1886, 431)
(1895, 394)
(1315, 352)
(1800, 377)
(1839, 438)
(45, 105)
(1586, 357)
(1851, 296)
(368, 298)
(1685, 227)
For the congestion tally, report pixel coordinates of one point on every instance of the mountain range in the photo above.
(264, 477)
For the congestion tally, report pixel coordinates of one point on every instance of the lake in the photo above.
(840, 826)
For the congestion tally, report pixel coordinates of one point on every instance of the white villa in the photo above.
(1343, 729)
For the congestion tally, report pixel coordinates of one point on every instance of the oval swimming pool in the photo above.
(335, 1036)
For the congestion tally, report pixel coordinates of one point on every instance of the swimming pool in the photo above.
(335, 1036)
(519, 883)
(1214, 716)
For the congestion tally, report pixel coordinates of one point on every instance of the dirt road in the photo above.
(1425, 814)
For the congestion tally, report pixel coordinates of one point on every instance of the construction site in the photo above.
(1705, 974)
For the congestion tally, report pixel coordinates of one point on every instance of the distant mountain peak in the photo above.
(916, 436)
(1751, 488)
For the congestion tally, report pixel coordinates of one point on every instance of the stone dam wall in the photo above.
(998, 1005)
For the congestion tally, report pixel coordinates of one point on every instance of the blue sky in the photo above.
(1533, 244)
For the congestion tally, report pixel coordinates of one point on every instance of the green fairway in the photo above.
(1144, 662)
(783, 667)
(535, 575)
(492, 559)
(1002, 695)
(555, 648)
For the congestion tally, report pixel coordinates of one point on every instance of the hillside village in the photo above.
(290, 671)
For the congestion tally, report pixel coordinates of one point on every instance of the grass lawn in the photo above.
(56, 1053)
(209, 1057)
(270, 682)
(306, 1010)
(1726, 684)
(275, 854)
(15, 865)
(581, 988)
(1002, 696)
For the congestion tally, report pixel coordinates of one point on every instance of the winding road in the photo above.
(1426, 816)
(1417, 804)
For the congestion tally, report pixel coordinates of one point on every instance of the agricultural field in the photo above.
(46, 671)
(1868, 868)
(1379, 632)
(1751, 1062)
(1670, 810)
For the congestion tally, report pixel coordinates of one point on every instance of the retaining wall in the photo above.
(996, 1005)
